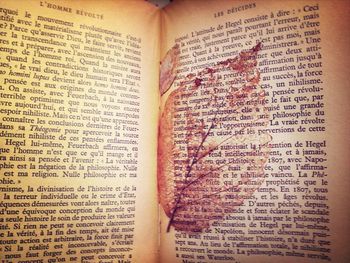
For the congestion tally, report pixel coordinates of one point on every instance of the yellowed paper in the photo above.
(78, 131)
(254, 136)
(298, 212)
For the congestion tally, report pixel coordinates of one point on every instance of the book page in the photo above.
(78, 89)
(253, 146)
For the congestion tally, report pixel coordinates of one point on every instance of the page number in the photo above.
(218, 14)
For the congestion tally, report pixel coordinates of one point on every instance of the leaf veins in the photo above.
(212, 143)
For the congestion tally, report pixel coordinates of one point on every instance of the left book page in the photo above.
(78, 122)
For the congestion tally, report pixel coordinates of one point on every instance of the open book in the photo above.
(207, 131)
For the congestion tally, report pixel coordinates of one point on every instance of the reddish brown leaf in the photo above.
(212, 143)
(168, 68)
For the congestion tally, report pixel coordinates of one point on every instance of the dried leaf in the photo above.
(212, 143)
(168, 68)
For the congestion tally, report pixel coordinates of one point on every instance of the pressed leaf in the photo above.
(168, 68)
(212, 143)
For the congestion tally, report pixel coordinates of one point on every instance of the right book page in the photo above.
(253, 158)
